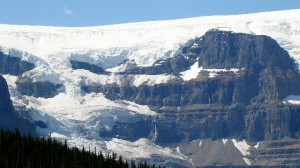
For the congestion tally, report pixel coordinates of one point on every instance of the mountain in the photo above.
(207, 91)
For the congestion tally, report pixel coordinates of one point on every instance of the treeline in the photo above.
(18, 151)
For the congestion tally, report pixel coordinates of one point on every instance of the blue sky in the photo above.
(103, 12)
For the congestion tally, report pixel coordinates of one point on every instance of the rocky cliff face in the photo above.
(5, 102)
(37, 89)
(13, 65)
(8, 118)
(83, 65)
(244, 105)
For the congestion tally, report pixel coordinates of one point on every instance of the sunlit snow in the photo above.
(224, 141)
(243, 147)
(194, 71)
(292, 100)
(141, 148)
(257, 145)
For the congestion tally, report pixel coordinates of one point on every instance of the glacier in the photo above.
(77, 116)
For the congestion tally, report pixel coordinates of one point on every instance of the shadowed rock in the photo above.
(37, 89)
(13, 65)
(9, 119)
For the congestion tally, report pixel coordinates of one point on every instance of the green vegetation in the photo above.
(34, 152)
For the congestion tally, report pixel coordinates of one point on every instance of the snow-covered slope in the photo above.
(78, 116)
(51, 48)
(144, 42)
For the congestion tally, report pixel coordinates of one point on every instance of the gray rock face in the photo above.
(5, 102)
(37, 89)
(8, 118)
(168, 66)
(246, 105)
(205, 152)
(217, 49)
(223, 153)
(284, 153)
(13, 65)
(83, 65)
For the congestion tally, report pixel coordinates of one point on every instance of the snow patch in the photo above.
(10, 80)
(214, 72)
(192, 73)
(152, 79)
(120, 68)
(57, 135)
(178, 150)
(247, 161)
(141, 109)
(292, 100)
(242, 146)
(224, 141)
(141, 148)
(200, 143)
(257, 145)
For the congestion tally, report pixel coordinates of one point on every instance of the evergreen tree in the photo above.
(35, 152)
